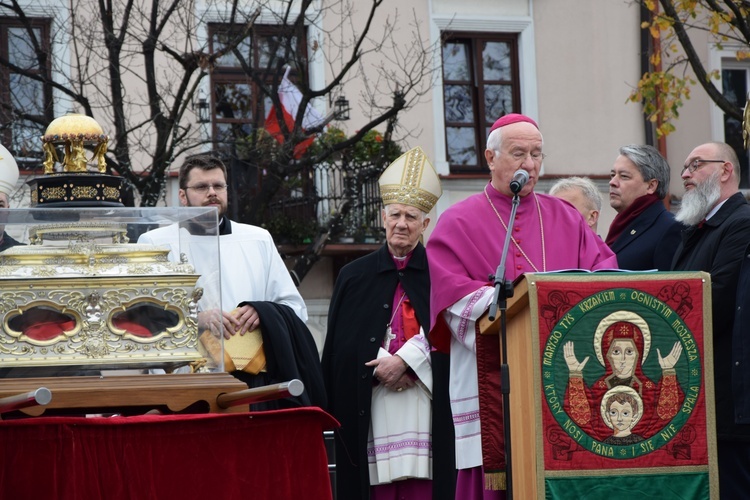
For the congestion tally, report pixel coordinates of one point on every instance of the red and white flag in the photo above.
(290, 98)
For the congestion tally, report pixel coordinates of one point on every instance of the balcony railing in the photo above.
(331, 197)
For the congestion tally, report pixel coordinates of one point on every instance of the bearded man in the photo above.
(716, 241)
(256, 288)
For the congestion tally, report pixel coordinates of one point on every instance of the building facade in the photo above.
(569, 64)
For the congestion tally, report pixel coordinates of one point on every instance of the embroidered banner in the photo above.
(626, 388)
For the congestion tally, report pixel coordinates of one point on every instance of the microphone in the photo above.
(520, 178)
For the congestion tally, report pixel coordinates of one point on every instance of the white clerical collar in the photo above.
(715, 209)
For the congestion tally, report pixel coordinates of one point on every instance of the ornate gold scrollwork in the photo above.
(42, 323)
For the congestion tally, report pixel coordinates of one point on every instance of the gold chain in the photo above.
(541, 230)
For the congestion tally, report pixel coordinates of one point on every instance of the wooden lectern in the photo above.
(520, 364)
(559, 451)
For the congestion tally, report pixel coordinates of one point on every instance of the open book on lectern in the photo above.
(606, 270)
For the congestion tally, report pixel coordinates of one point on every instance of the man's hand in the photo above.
(241, 320)
(391, 372)
(210, 320)
(246, 319)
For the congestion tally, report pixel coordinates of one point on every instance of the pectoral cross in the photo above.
(389, 335)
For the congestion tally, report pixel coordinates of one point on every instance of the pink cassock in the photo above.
(466, 246)
(463, 250)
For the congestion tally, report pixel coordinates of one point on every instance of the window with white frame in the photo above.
(480, 84)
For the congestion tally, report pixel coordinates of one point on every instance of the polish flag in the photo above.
(290, 98)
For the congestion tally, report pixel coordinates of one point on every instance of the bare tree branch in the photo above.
(137, 67)
(695, 62)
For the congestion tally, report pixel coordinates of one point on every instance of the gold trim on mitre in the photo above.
(411, 180)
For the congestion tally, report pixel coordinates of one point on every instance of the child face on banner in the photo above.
(620, 416)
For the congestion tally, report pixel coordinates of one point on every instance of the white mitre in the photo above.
(8, 171)
(411, 180)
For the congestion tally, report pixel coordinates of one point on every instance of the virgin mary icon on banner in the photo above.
(621, 376)
(622, 343)
(616, 385)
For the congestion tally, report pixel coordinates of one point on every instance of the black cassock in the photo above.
(361, 308)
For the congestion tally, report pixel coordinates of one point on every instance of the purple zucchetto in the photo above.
(512, 118)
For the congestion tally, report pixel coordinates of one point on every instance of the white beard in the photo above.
(699, 201)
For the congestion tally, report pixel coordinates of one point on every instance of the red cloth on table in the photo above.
(263, 455)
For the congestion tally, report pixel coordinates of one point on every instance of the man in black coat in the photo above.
(644, 235)
(376, 352)
(716, 241)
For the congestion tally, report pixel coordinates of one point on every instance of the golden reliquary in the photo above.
(75, 294)
(79, 296)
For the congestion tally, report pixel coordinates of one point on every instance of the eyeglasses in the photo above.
(204, 188)
(698, 163)
(520, 156)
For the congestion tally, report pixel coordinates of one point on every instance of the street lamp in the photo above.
(341, 108)
(202, 108)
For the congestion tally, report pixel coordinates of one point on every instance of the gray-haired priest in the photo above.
(377, 362)
(465, 247)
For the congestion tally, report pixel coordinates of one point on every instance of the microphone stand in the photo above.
(504, 290)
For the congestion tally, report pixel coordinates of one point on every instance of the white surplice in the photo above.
(400, 437)
(250, 266)
(461, 318)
